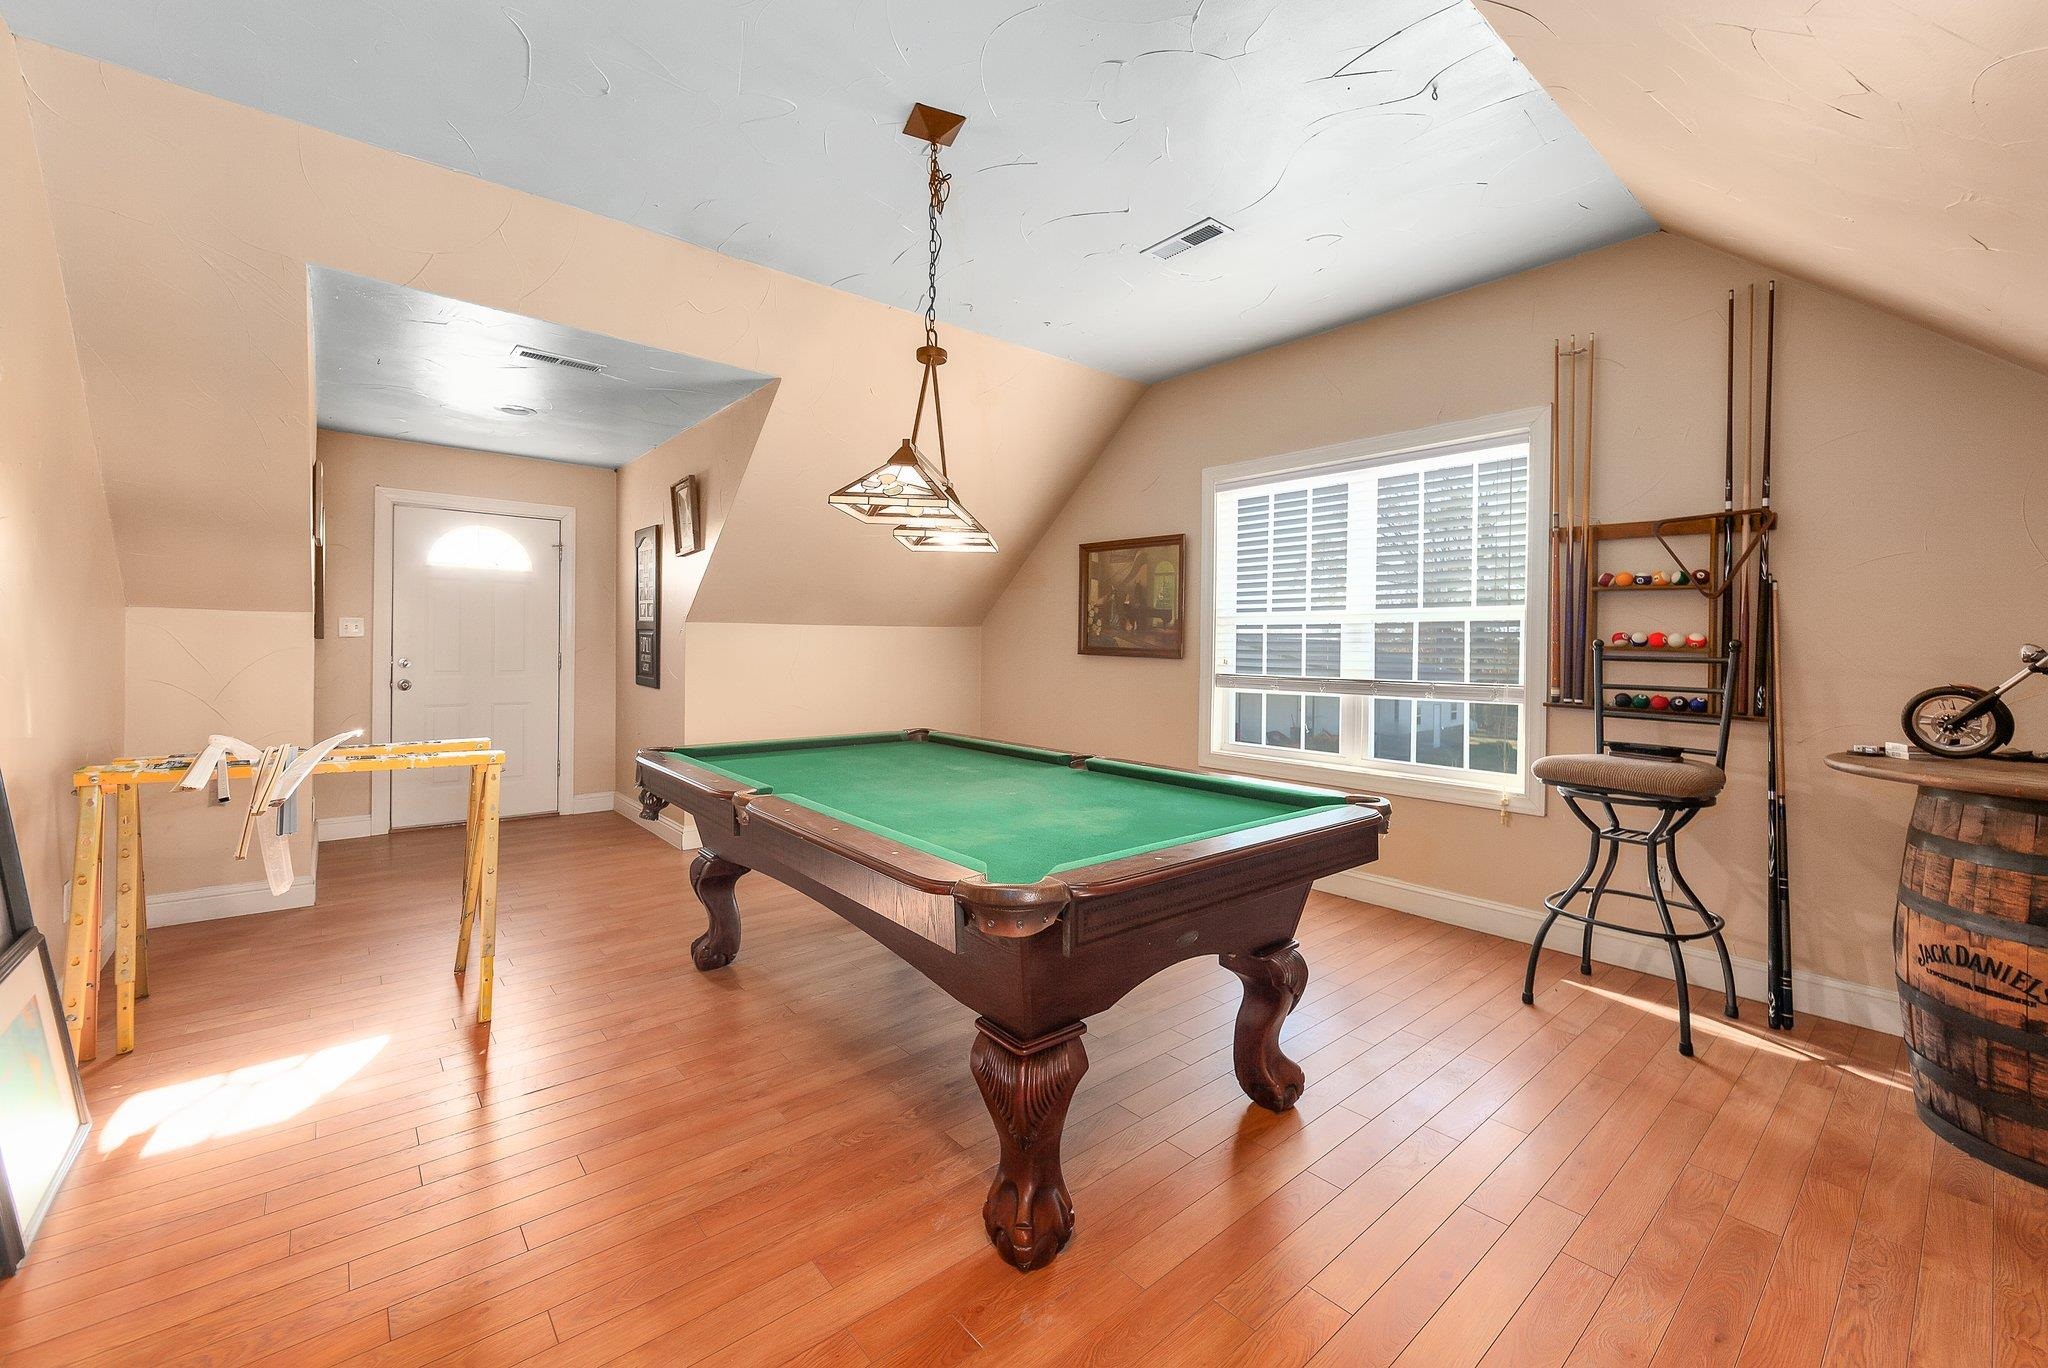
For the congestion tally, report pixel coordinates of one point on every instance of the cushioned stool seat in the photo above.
(1689, 779)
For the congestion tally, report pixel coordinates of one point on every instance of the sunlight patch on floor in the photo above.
(180, 1115)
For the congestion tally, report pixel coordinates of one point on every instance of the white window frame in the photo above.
(1522, 794)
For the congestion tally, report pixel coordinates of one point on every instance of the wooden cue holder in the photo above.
(1741, 526)
(114, 790)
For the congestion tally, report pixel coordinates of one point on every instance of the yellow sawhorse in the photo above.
(115, 789)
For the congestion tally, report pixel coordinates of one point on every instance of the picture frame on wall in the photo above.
(1134, 598)
(647, 607)
(43, 1117)
(686, 516)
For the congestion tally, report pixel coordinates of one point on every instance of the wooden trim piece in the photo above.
(127, 887)
(82, 942)
(487, 890)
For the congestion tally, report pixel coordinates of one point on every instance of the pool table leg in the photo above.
(1274, 980)
(1027, 1085)
(713, 877)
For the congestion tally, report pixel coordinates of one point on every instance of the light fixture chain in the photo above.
(940, 185)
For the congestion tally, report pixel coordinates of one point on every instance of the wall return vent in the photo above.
(536, 354)
(1194, 235)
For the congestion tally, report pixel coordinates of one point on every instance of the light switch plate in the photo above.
(351, 627)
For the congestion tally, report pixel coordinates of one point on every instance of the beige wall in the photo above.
(717, 451)
(769, 679)
(60, 583)
(354, 466)
(1915, 506)
(194, 671)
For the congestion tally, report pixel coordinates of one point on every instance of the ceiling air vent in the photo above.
(536, 354)
(1194, 235)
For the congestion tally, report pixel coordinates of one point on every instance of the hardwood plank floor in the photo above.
(315, 1157)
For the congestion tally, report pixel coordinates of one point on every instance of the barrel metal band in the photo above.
(2012, 1106)
(2028, 1042)
(1948, 1130)
(1997, 928)
(1991, 857)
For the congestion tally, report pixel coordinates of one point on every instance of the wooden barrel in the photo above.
(1971, 939)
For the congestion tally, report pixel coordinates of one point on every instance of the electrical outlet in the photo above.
(351, 627)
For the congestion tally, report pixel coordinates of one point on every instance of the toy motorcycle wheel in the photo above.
(1929, 719)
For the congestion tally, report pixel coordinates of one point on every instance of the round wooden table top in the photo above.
(2001, 778)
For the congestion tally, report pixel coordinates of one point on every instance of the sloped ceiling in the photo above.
(1896, 150)
(185, 229)
(1367, 155)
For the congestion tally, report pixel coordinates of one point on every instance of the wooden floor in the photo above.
(315, 1157)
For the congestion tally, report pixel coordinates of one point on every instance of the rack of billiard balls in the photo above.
(1658, 641)
(1663, 703)
(1655, 579)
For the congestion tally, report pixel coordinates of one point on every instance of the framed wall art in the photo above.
(647, 606)
(43, 1120)
(1132, 600)
(686, 516)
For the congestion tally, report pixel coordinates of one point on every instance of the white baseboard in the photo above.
(672, 826)
(1837, 999)
(345, 828)
(590, 802)
(212, 903)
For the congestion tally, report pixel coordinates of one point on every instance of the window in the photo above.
(475, 547)
(1368, 615)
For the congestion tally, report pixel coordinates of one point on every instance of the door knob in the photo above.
(404, 684)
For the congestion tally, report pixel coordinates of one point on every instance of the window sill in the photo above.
(1355, 780)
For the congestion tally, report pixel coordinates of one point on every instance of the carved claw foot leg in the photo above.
(1027, 1085)
(713, 879)
(1274, 980)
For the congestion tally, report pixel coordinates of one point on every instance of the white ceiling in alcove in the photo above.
(392, 361)
(1366, 153)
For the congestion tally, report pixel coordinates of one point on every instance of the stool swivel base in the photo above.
(1608, 838)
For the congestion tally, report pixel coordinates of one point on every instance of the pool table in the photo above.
(1036, 887)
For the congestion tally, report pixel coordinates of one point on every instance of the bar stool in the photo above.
(1672, 787)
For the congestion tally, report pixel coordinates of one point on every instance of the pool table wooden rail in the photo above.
(933, 896)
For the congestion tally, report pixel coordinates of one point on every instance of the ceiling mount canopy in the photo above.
(906, 491)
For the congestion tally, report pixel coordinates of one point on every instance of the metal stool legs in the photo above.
(1607, 840)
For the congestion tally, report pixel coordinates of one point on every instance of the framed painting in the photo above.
(1132, 598)
(685, 517)
(43, 1121)
(647, 607)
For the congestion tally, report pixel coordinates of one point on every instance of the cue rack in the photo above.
(1740, 592)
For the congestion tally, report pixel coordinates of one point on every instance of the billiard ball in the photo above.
(1698, 705)
(1623, 579)
(1642, 700)
(1659, 640)
(1642, 581)
(1606, 578)
(1696, 641)
(1700, 577)
(1622, 700)
(1638, 639)
(1659, 703)
(1618, 639)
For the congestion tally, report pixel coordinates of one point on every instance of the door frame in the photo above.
(381, 589)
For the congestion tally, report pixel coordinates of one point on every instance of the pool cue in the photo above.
(1726, 607)
(1556, 568)
(1766, 646)
(1778, 989)
(1585, 488)
(1745, 615)
(1571, 536)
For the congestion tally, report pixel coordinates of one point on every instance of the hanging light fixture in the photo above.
(907, 492)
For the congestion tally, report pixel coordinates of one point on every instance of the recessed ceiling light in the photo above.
(517, 410)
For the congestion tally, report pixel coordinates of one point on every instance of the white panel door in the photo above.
(475, 651)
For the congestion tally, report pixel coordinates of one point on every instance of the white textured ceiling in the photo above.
(1367, 153)
(396, 362)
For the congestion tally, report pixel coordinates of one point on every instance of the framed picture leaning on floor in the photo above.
(43, 1120)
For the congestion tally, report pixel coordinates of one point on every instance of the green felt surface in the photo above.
(1015, 818)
